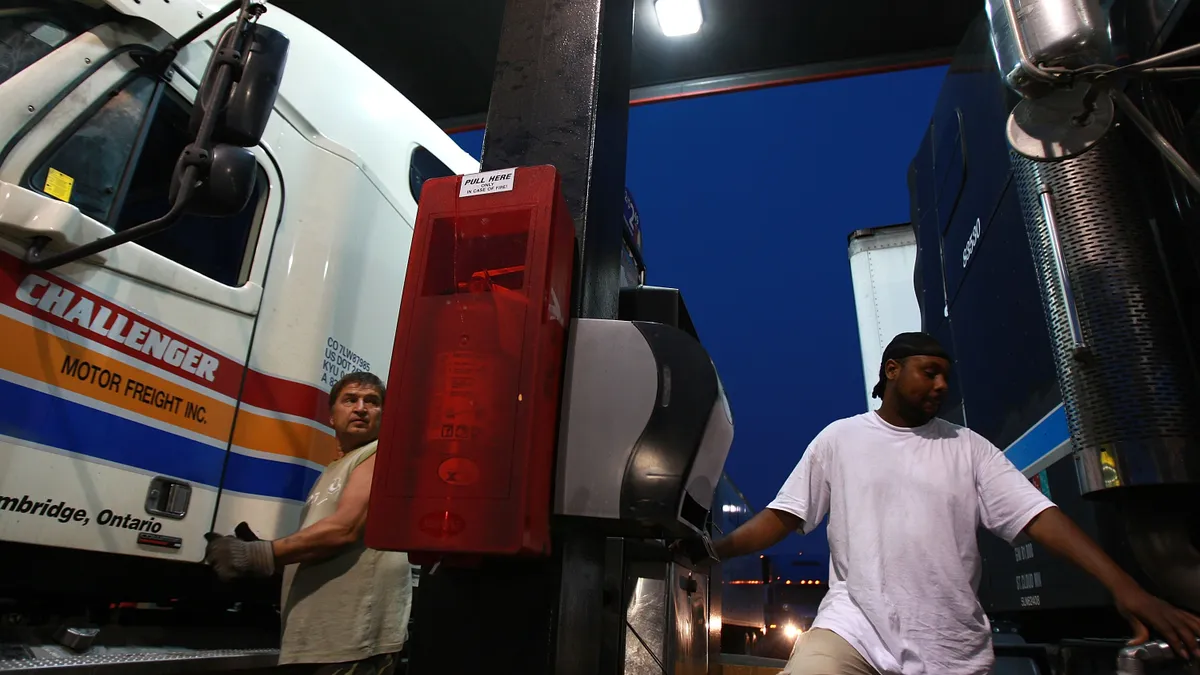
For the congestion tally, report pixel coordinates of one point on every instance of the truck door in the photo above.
(119, 374)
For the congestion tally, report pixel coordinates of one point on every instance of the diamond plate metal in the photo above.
(156, 661)
(1131, 400)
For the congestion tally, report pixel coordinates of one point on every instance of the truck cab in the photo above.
(177, 384)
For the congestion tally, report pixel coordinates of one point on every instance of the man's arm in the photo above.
(767, 528)
(1054, 530)
(324, 538)
(806, 491)
(232, 558)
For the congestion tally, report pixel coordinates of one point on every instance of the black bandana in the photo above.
(903, 346)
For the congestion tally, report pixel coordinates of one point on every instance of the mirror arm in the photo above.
(167, 56)
(33, 255)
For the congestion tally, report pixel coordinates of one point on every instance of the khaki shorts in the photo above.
(823, 652)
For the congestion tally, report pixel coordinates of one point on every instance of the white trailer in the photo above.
(882, 260)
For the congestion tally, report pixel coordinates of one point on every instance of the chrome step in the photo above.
(131, 660)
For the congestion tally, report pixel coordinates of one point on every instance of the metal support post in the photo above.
(616, 594)
(560, 96)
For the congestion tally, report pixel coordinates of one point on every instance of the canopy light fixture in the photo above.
(678, 17)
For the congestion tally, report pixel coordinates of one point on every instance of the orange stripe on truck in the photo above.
(283, 437)
(65, 365)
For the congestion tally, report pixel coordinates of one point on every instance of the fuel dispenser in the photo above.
(512, 421)
(645, 430)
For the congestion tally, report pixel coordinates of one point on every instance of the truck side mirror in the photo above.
(243, 112)
(215, 174)
(232, 174)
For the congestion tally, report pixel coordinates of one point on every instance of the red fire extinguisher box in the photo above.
(466, 449)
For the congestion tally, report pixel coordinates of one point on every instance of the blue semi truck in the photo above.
(1053, 207)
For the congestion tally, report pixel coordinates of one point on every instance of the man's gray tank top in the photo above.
(352, 606)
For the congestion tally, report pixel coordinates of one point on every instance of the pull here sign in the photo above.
(487, 183)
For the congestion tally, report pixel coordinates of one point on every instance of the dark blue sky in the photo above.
(746, 200)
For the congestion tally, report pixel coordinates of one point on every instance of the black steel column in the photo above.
(612, 620)
(561, 97)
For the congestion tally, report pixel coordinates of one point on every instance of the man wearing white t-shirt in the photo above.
(905, 492)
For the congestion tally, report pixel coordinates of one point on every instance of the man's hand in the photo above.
(232, 558)
(698, 552)
(1180, 629)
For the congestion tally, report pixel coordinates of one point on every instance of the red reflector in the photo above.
(466, 449)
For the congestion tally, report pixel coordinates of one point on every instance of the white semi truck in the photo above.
(156, 390)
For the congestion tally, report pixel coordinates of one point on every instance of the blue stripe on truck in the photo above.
(265, 478)
(47, 420)
(1043, 437)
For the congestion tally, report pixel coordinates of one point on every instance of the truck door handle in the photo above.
(168, 498)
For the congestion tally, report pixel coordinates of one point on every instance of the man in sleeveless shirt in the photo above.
(905, 492)
(345, 607)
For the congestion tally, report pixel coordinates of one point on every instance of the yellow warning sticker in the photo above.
(59, 185)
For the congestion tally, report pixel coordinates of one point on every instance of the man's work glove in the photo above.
(233, 558)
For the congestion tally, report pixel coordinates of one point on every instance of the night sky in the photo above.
(746, 201)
